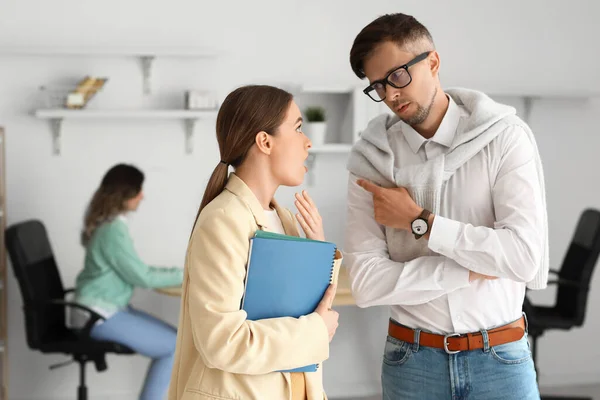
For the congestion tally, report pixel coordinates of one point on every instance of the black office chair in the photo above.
(44, 303)
(573, 284)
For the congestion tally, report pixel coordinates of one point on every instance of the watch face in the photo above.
(419, 226)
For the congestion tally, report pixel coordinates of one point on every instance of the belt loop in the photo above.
(486, 340)
(416, 340)
(526, 323)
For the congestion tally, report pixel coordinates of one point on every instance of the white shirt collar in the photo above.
(445, 133)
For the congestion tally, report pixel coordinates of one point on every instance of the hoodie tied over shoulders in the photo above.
(372, 157)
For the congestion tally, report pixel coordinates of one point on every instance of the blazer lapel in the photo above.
(239, 188)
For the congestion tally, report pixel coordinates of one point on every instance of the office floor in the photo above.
(580, 390)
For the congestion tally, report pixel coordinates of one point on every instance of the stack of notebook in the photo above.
(287, 277)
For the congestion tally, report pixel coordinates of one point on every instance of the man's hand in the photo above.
(475, 275)
(393, 207)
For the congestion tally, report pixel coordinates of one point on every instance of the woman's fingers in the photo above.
(305, 213)
(303, 224)
(309, 200)
(302, 200)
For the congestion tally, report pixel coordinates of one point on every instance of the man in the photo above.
(446, 224)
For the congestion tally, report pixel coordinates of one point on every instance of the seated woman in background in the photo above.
(220, 354)
(112, 270)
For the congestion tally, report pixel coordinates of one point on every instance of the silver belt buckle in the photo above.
(448, 351)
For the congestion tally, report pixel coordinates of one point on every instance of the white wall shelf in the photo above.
(550, 95)
(145, 55)
(333, 148)
(528, 97)
(121, 114)
(340, 89)
(113, 51)
(190, 117)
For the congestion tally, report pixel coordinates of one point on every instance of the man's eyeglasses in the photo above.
(398, 78)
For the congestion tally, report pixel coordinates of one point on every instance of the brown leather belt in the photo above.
(454, 343)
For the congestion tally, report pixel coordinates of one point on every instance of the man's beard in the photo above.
(422, 113)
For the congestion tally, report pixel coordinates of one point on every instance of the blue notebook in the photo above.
(287, 277)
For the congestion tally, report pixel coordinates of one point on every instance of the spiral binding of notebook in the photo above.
(331, 275)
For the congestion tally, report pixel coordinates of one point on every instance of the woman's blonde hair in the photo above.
(121, 183)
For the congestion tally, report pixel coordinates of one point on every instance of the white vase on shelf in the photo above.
(316, 132)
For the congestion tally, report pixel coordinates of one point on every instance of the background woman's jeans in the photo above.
(147, 336)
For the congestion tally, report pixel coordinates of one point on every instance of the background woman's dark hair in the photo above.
(121, 183)
(402, 29)
(244, 113)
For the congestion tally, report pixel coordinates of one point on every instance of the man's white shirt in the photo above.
(490, 221)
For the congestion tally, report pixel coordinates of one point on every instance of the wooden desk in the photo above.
(343, 296)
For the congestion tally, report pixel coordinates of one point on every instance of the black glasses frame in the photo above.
(385, 80)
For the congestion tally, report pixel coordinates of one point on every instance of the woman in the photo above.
(112, 270)
(220, 354)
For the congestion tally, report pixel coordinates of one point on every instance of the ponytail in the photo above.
(214, 187)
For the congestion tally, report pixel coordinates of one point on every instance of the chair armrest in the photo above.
(566, 282)
(94, 316)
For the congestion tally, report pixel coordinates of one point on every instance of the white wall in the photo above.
(509, 46)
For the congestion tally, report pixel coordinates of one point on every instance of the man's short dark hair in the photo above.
(402, 29)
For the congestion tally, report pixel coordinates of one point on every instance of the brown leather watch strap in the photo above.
(425, 214)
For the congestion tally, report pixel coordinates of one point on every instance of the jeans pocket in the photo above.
(396, 351)
(512, 353)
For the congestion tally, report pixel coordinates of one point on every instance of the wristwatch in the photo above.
(420, 226)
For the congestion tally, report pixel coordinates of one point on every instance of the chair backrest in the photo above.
(578, 266)
(39, 280)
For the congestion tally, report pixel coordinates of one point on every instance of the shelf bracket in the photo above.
(310, 164)
(190, 125)
(147, 62)
(56, 127)
(527, 106)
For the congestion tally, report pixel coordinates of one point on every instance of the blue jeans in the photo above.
(147, 336)
(415, 372)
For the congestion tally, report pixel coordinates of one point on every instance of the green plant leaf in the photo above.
(314, 114)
